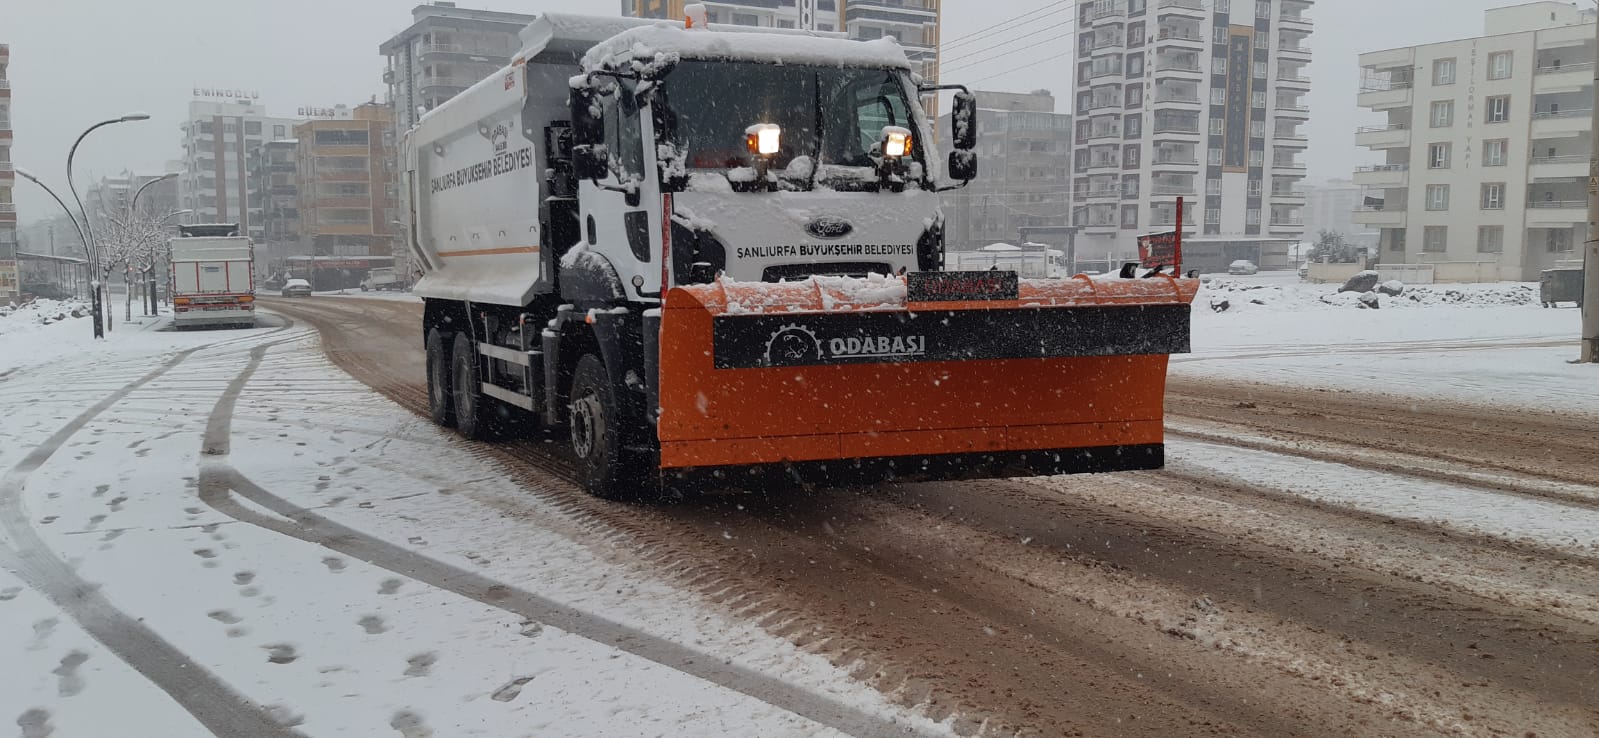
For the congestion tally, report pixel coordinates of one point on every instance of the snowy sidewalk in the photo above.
(253, 538)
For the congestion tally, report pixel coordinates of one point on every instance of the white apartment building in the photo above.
(445, 50)
(1203, 99)
(1330, 206)
(1484, 147)
(217, 139)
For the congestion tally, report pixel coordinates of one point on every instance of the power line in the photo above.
(1034, 45)
(1053, 7)
(969, 54)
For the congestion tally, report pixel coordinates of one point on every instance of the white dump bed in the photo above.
(212, 266)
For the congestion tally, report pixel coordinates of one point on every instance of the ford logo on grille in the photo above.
(829, 227)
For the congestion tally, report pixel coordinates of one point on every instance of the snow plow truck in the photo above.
(712, 256)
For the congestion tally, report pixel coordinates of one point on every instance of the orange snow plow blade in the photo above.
(835, 380)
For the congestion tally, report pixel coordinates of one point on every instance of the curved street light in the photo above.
(94, 249)
(133, 205)
(88, 253)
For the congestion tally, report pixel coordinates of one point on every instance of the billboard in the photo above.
(1240, 94)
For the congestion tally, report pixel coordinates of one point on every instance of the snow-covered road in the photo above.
(238, 539)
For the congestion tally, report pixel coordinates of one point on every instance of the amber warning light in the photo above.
(763, 139)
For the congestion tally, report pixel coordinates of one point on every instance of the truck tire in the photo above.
(440, 402)
(473, 418)
(605, 468)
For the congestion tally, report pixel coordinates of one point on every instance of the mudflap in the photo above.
(765, 384)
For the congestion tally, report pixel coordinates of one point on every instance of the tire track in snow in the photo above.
(218, 481)
(211, 701)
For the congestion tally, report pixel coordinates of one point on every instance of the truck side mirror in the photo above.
(962, 165)
(963, 121)
(589, 158)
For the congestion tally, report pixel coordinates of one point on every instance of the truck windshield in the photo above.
(833, 117)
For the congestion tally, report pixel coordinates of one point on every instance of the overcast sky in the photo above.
(75, 62)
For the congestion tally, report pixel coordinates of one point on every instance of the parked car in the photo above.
(296, 288)
(1243, 266)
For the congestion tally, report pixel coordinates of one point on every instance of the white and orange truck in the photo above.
(713, 256)
(212, 273)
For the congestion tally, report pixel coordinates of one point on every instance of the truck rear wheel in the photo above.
(605, 467)
(472, 417)
(440, 403)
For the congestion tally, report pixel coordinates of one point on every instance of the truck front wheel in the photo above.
(606, 469)
(439, 388)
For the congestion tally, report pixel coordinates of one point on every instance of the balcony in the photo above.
(1393, 95)
(1378, 138)
(1295, 111)
(1181, 69)
(1102, 165)
(1164, 97)
(1293, 80)
(8, 207)
(1561, 213)
(1383, 175)
(1102, 194)
(1182, 8)
(1295, 51)
(1286, 221)
(1109, 10)
(1178, 130)
(448, 81)
(1288, 167)
(1564, 78)
(1287, 195)
(1175, 162)
(1559, 167)
(1563, 124)
(1379, 218)
(1290, 141)
(1296, 21)
(1173, 190)
(1181, 37)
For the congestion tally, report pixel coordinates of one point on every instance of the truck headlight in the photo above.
(896, 141)
(763, 139)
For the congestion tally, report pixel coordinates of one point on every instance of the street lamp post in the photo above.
(88, 252)
(94, 250)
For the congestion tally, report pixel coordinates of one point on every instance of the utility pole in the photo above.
(1590, 249)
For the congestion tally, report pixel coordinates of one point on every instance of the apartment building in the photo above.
(1330, 206)
(218, 137)
(10, 286)
(1024, 151)
(445, 50)
(274, 177)
(1483, 146)
(1200, 99)
(914, 24)
(347, 196)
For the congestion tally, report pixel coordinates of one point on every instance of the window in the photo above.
(1260, 70)
(1396, 239)
(1135, 65)
(1129, 216)
(785, 24)
(1490, 239)
(1437, 197)
(1218, 96)
(252, 128)
(1218, 65)
(1213, 187)
(1262, 9)
(1438, 156)
(279, 131)
(1493, 152)
(1557, 241)
(1135, 34)
(1254, 188)
(1252, 217)
(1259, 100)
(1499, 65)
(1435, 239)
(1212, 216)
(1443, 72)
(1214, 157)
(1130, 157)
(1498, 109)
(1135, 96)
(1133, 127)
(1135, 6)
(1257, 158)
(1257, 128)
(1218, 126)
(1130, 186)
(1443, 113)
(1219, 35)
(1493, 196)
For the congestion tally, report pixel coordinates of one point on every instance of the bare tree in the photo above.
(137, 243)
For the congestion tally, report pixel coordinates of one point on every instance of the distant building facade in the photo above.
(1330, 206)
(10, 286)
(1024, 151)
(1484, 145)
(347, 196)
(218, 137)
(446, 50)
(274, 176)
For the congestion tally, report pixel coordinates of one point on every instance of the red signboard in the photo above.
(1163, 249)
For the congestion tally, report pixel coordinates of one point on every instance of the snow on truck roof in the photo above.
(738, 43)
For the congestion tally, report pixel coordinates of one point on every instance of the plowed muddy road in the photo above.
(1309, 564)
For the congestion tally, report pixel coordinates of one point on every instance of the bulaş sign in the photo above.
(960, 286)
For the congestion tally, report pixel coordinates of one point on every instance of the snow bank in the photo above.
(648, 47)
(1247, 296)
(40, 313)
